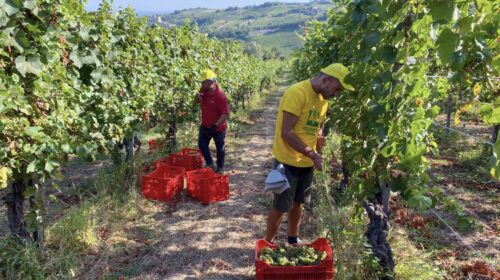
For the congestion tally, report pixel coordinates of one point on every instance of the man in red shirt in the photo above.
(214, 115)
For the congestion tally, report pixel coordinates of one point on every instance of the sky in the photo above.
(172, 5)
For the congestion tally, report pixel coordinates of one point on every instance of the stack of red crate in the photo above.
(167, 179)
(207, 186)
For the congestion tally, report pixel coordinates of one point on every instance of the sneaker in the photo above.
(220, 170)
(211, 166)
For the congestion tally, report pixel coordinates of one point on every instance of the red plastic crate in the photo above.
(190, 159)
(324, 271)
(163, 183)
(207, 186)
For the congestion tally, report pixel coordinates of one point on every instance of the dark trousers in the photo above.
(204, 138)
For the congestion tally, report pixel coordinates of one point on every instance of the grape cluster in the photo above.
(3, 177)
(286, 255)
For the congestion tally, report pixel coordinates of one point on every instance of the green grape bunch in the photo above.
(286, 255)
(4, 176)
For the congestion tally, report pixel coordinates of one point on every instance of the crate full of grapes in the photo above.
(308, 261)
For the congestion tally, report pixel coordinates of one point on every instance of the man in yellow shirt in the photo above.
(302, 111)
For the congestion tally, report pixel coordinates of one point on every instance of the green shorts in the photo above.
(300, 180)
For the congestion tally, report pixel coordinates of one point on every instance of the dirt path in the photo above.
(217, 241)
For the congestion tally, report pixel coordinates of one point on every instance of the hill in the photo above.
(272, 25)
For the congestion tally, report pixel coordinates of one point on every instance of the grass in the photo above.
(345, 229)
(341, 221)
(27, 261)
(113, 202)
(412, 262)
(76, 229)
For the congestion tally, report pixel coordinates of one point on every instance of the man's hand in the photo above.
(317, 160)
(289, 121)
(320, 143)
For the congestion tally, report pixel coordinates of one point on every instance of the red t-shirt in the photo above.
(213, 105)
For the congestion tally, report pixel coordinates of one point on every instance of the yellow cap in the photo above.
(207, 74)
(338, 71)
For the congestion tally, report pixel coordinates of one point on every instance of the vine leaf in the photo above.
(31, 65)
(446, 44)
(387, 53)
(442, 10)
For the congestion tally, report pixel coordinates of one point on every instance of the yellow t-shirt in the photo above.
(301, 100)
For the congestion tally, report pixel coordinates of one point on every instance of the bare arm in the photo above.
(289, 121)
(320, 139)
(222, 119)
